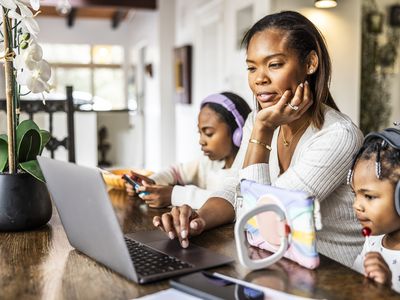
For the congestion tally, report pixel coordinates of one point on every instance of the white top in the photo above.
(319, 166)
(193, 181)
(391, 257)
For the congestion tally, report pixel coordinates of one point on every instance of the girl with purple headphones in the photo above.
(375, 180)
(220, 123)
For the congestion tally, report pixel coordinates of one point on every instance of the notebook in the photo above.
(92, 228)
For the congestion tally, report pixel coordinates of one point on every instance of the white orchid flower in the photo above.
(32, 70)
(22, 76)
(19, 62)
(29, 56)
(37, 79)
(10, 4)
(26, 18)
(35, 4)
(32, 55)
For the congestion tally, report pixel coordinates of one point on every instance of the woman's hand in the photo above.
(180, 222)
(377, 269)
(159, 195)
(288, 109)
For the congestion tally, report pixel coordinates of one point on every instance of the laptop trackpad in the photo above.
(146, 237)
(198, 256)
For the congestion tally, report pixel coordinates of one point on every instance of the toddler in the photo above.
(375, 180)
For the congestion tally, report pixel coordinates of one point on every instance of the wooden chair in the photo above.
(32, 107)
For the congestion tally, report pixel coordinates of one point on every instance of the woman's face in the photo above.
(272, 67)
(215, 135)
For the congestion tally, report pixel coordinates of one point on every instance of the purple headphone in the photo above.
(231, 107)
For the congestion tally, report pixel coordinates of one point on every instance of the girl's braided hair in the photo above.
(386, 155)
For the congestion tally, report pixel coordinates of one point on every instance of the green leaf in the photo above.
(29, 141)
(32, 167)
(3, 152)
(45, 139)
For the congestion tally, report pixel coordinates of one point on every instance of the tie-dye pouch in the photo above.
(280, 221)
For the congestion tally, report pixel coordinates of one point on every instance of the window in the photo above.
(95, 72)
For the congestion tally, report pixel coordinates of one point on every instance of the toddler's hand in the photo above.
(377, 269)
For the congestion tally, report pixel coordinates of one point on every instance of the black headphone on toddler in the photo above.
(392, 137)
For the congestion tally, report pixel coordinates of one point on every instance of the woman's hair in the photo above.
(302, 36)
(241, 106)
(386, 157)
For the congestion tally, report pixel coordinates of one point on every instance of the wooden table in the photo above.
(41, 264)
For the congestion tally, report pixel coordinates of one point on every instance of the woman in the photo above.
(297, 138)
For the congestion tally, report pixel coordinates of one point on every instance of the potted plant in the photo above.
(24, 199)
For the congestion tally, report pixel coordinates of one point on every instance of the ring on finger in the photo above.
(293, 107)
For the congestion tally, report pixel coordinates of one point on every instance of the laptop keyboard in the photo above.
(148, 261)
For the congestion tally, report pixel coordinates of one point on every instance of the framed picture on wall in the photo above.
(183, 74)
(394, 18)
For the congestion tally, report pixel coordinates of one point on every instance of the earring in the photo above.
(310, 71)
(256, 104)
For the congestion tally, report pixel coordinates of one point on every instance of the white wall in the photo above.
(395, 96)
(143, 34)
(155, 32)
(167, 105)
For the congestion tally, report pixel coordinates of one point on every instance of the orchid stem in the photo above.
(9, 76)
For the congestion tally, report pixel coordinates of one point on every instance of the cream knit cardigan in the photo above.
(319, 166)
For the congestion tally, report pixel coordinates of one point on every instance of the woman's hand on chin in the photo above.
(181, 222)
(288, 109)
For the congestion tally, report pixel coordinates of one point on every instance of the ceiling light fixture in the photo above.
(325, 3)
(63, 7)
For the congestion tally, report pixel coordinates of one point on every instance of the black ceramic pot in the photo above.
(24, 202)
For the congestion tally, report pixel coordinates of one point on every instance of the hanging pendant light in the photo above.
(63, 7)
(325, 3)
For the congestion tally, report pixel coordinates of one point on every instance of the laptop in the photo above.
(92, 228)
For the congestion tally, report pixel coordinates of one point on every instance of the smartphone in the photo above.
(135, 184)
(207, 286)
(138, 177)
